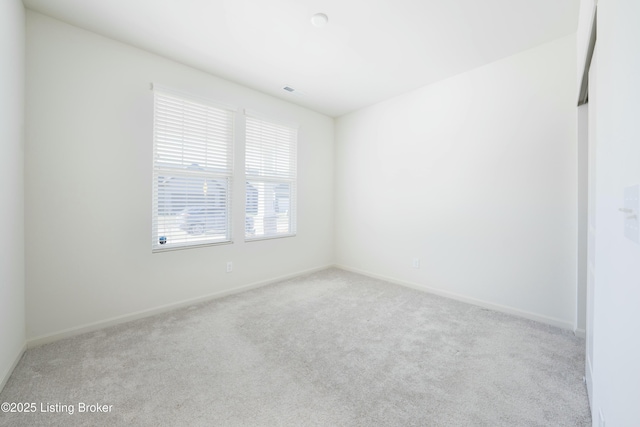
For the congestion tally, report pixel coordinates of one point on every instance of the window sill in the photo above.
(260, 238)
(182, 247)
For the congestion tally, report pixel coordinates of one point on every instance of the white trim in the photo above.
(7, 375)
(589, 383)
(182, 246)
(269, 237)
(94, 326)
(563, 324)
(580, 333)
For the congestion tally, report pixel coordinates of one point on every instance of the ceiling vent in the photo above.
(289, 89)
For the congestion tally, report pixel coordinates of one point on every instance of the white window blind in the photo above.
(270, 167)
(192, 172)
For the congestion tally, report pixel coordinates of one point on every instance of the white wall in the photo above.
(477, 177)
(12, 304)
(616, 320)
(88, 186)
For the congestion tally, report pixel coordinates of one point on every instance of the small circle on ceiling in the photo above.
(319, 20)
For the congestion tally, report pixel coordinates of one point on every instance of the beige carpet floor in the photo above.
(328, 349)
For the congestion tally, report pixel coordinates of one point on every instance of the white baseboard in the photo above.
(580, 333)
(588, 377)
(90, 327)
(7, 375)
(563, 324)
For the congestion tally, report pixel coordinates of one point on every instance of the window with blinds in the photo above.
(270, 168)
(192, 171)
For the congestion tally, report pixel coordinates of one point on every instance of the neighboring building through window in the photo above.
(270, 168)
(192, 171)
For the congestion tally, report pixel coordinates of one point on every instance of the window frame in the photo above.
(291, 179)
(193, 172)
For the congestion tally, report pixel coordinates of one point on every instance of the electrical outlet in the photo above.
(229, 266)
(415, 262)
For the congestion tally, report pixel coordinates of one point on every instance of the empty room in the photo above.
(323, 213)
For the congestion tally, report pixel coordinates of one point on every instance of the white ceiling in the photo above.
(370, 50)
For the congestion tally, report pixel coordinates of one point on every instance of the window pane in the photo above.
(192, 172)
(192, 210)
(269, 211)
(270, 164)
